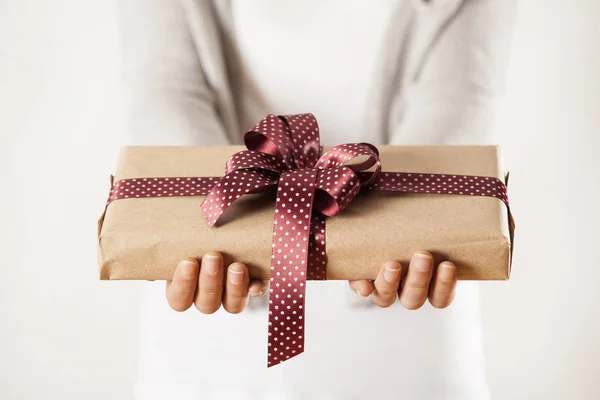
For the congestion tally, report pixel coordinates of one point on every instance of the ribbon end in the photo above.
(273, 360)
(210, 219)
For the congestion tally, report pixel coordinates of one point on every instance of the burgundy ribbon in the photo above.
(286, 152)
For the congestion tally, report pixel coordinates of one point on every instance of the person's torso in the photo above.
(319, 57)
(324, 59)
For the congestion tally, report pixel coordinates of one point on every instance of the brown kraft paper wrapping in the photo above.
(144, 238)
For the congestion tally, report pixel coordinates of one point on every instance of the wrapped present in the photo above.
(292, 210)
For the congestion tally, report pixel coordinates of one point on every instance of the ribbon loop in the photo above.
(256, 160)
(270, 136)
(364, 155)
(304, 134)
(336, 188)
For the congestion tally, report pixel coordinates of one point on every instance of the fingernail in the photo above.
(211, 263)
(235, 276)
(359, 293)
(187, 269)
(256, 292)
(447, 272)
(422, 262)
(392, 272)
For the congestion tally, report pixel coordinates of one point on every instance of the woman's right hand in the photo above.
(203, 285)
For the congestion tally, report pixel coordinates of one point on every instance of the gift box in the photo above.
(294, 211)
(144, 238)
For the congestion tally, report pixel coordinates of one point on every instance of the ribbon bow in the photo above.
(286, 151)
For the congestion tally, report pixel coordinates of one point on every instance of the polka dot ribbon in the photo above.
(285, 152)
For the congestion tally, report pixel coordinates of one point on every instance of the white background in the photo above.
(64, 334)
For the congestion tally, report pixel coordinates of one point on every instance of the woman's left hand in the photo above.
(412, 285)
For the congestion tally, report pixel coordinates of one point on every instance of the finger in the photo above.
(386, 284)
(443, 286)
(210, 287)
(257, 288)
(415, 286)
(236, 288)
(362, 287)
(181, 290)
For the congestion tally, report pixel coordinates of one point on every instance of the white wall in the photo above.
(63, 334)
(543, 327)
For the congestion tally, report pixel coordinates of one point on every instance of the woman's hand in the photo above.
(412, 285)
(203, 285)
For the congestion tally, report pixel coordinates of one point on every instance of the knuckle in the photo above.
(386, 289)
(441, 292)
(179, 299)
(210, 280)
(235, 297)
(418, 285)
(211, 291)
(179, 291)
(386, 293)
(415, 293)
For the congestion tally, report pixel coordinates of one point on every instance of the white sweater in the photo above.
(394, 71)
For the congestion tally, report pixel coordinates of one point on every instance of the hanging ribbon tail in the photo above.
(289, 262)
(230, 188)
(317, 252)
